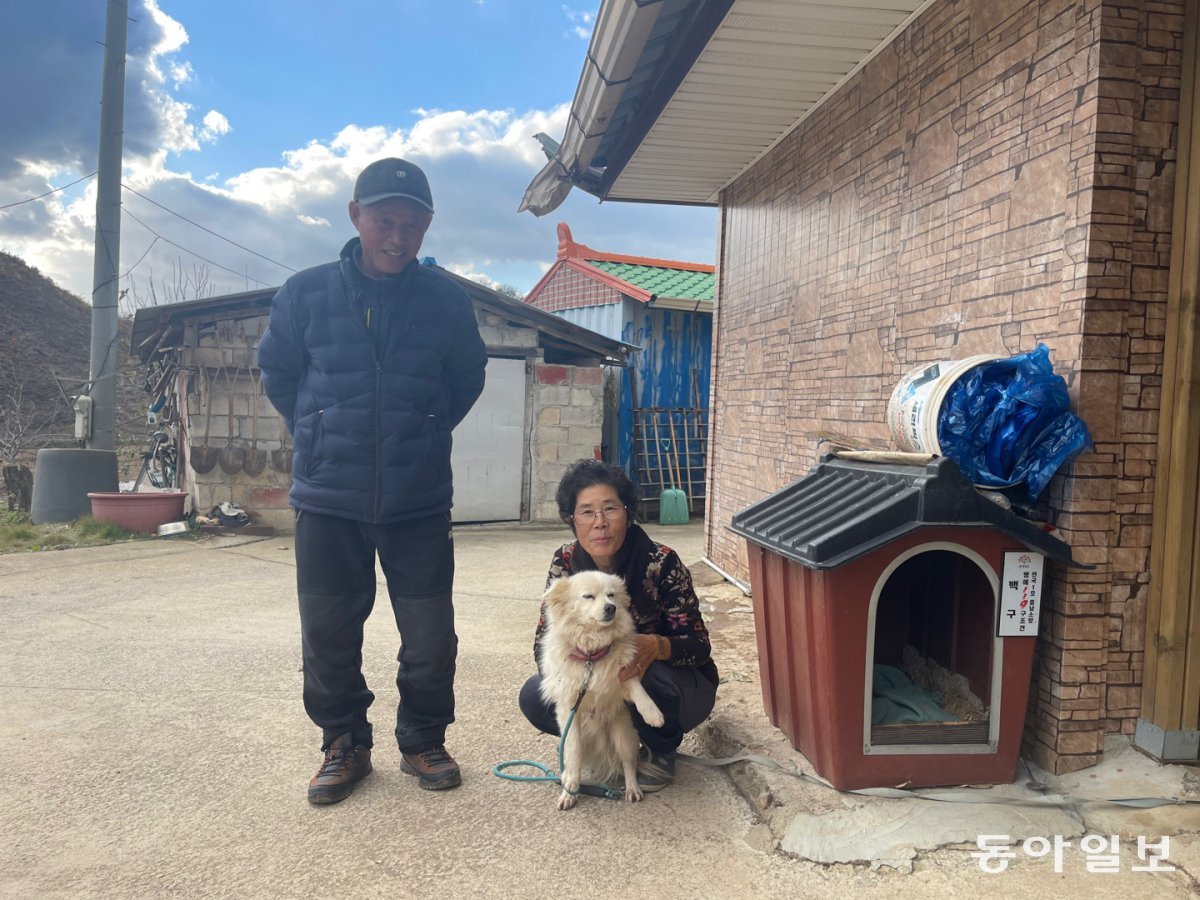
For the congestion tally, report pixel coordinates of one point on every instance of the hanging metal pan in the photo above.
(232, 458)
(281, 459)
(203, 457)
(256, 460)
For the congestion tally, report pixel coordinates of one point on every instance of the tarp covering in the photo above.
(1008, 423)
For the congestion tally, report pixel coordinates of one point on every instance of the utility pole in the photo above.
(103, 366)
(65, 477)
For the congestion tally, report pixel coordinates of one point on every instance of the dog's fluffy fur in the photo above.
(584, 614)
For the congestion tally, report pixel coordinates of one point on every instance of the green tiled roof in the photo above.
(661, 282)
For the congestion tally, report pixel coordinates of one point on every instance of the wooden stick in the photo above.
(674, 449)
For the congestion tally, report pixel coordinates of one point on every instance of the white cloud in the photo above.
(181, 73)
(468, 271)
(172, 35)
(581, 21)
(479, 162)
(215, 125)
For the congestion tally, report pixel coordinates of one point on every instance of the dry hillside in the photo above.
(45, 344)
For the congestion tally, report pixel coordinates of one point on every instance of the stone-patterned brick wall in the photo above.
(1000, 175)
(569, 289)
(1089, 672)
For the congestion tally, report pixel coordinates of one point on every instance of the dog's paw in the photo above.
(655, 719)
(633, 794)
(566, 800)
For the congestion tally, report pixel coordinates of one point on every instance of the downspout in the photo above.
(714, 383)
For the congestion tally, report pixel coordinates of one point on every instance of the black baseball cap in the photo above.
(392, 177)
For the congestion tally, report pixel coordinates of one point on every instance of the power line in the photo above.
(194, 253)
(52, 191)
(158, 237)
(209, 230)
(140, 258)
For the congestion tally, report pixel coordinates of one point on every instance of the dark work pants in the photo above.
(684, 694)
(335, 580)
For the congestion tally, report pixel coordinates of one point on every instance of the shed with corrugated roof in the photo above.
(656, 410)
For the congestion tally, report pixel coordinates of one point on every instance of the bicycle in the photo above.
(160, 463)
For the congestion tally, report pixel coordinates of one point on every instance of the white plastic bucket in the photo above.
(912, 412)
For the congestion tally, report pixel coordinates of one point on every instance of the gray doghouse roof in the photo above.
(843, 509)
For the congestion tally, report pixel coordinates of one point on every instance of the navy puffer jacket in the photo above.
(371, 410)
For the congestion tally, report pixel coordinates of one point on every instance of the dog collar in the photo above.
(590, 655)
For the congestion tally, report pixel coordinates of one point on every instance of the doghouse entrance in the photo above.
(934, 647)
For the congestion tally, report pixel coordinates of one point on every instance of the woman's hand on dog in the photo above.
(647, 652)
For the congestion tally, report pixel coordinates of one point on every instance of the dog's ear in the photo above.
(556, 594)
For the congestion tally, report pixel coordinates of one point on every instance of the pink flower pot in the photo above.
(142, 512)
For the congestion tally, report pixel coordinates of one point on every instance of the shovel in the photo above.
(679, 471)
(204, 457)
(256, 460)
(672, 502)
(281, 459)
(231, 458)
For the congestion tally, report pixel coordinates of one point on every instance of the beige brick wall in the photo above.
(1000, 175)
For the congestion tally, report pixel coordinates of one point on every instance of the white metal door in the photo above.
(488, 448)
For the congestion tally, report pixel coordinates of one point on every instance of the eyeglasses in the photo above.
(609, 513)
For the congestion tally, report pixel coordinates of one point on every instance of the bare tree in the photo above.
(24, 423)
(183, 284)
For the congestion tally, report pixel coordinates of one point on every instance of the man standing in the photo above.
(372, 361)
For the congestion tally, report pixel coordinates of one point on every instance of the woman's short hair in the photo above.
(588, 472)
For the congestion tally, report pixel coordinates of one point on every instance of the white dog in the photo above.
(588, 626)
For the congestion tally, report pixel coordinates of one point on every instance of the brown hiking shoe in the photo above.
(435, 768)
(345, 765)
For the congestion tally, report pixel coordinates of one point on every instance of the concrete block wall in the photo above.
(998, 176)
(497, 332)
(228, 348)
(568, 414)
(565, 409)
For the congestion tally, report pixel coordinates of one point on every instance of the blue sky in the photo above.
(252, 119)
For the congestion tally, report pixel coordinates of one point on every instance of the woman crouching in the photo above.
(597, 502)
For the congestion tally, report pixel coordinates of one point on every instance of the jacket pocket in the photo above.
(316, 431)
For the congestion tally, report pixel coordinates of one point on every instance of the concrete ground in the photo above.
(156, 747)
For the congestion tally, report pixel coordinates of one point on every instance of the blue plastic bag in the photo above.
(1008, 423)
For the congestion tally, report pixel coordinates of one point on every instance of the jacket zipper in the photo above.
(378, 438)
(355, 295)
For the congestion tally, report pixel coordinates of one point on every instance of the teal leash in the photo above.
(548, 774)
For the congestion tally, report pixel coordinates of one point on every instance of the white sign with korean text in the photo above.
(1020, 594)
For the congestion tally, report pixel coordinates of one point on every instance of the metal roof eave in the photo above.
(610, 351)
(619, 37)
(738, 78)
(151, 324)
(154, 321)
(619, 43)
(706, 19)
